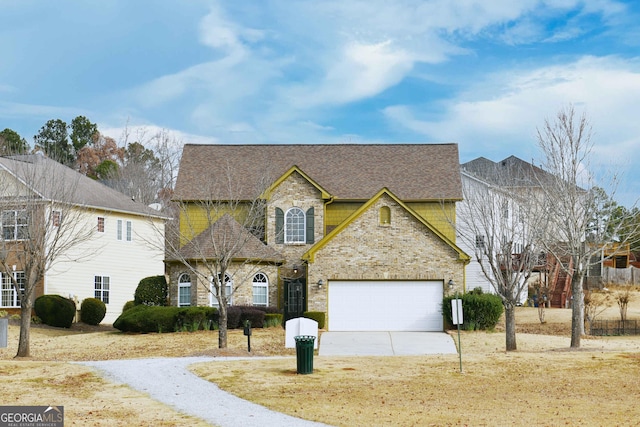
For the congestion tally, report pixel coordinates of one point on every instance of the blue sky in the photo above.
(483, 74)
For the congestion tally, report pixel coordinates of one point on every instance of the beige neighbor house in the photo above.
(362, 233)
(105, 243)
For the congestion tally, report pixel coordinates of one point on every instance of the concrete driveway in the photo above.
(385, 343)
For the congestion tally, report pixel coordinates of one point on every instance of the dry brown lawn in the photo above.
(542, 383)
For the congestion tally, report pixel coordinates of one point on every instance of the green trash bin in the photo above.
(304, 353)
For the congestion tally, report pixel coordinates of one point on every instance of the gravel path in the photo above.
(169, 381)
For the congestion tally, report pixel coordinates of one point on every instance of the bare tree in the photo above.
(582, 219)
(595, 303)
(497, 221)
(41, 224)
(219, 240)
(623, 298)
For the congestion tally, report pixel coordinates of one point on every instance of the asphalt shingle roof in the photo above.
(345, 171)
(511, 171)
(51, 179)
(227, 233)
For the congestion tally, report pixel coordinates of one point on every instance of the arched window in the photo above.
(385, 215)
(227, 291)
(294, 226)
(261, 289)
(184, 290)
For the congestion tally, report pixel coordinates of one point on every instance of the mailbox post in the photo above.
(247, 333)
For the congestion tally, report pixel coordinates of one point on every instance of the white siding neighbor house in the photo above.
(118, 241)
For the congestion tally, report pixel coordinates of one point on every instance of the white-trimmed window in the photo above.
(120, 231)
(100, 224)
(101, 288)
(14, 225)
(227, 291)
(260, 289)
(294, 226)
(8, 294)
(56, 218)
(184, 290)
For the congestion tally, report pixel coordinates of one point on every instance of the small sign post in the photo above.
(457, 317)
(4, 332)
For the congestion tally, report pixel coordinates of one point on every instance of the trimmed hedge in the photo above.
(152, 291)
(480, 311)
(92, 311)
(145, 319)
(318, 316)
(55, 310)
(197, 318)
(272, 319)
(127, 305)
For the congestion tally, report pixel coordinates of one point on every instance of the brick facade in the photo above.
(366, 250)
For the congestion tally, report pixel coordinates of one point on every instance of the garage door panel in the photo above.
(385, 306)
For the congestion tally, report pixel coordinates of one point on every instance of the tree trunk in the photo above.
(222, 326)
(577, 310)
(510, 326)
(25, 328)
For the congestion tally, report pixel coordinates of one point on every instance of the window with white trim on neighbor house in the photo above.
(15, 224)
(101, 286)
(8, 294)
(56, 218)
(120, 231)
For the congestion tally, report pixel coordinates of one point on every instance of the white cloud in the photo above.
(361, 71)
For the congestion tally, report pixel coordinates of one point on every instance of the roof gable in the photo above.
(510, 172)
(344, 171)
(310, 254)
(227, 232)
(294, 169)
(50, 179)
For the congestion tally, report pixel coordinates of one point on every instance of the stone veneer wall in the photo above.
(295, 191)
(242, 277)
(365, 250)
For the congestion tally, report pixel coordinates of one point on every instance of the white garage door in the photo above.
(385, 306)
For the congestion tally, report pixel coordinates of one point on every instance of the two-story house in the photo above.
(364, 233)
(501, 208)
(96, 242)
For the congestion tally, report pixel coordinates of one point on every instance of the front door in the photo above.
(295, 295)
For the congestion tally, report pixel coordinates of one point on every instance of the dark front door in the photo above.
(295, 295)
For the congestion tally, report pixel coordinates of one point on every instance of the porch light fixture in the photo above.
(450, 283)
(320, 284)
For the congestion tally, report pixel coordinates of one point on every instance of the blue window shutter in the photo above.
(310, 225)
(279, 226)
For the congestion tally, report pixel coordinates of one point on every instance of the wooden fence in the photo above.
(621, 276)
(615, 327)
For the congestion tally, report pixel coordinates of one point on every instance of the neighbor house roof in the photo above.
(53, 181)
(230, 238)
(345, 171)
(511, 172)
